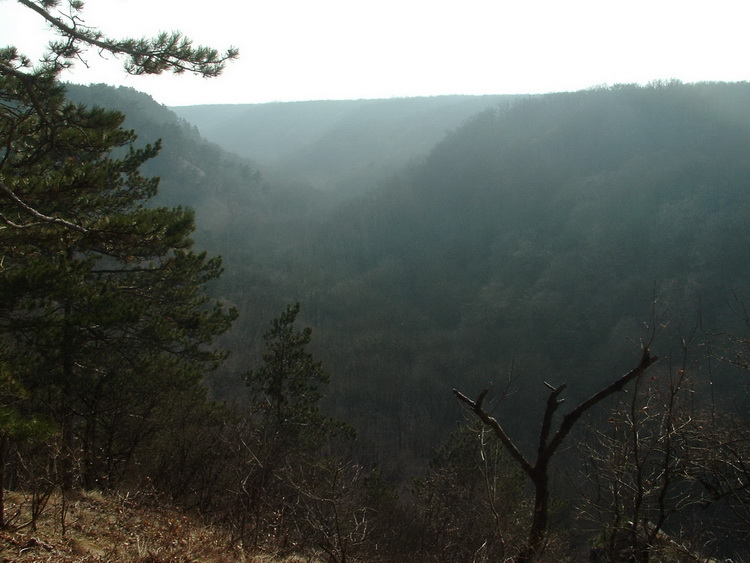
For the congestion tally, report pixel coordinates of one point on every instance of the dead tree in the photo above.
(538, 471)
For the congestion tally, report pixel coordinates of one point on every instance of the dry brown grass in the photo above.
(115, 528)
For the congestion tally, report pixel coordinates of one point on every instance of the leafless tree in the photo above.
(538, 471)
(638, 466)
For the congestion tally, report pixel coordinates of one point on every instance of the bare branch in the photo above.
(571, 418)
(552, 405)
(490, 421)
(538, 473)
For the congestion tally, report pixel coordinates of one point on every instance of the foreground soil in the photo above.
(115, 528)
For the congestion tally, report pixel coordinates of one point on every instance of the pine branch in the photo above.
(167, 52)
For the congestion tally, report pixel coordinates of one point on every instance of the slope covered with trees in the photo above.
(529, 245)
(534, 237)
(522, 253)
(538, 235)
(336, 146)
(193, 172)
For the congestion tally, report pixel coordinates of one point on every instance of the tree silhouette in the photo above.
(538, 470)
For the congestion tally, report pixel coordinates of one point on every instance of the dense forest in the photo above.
(542, 240)
(405, 299)
(536, 235)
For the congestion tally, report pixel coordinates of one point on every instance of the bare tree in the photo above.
(471, 505)
(538, 470)
(719, 463)
(638, 466)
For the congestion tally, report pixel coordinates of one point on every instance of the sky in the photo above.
(293, 50)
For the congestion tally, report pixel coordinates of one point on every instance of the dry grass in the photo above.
(110, 528)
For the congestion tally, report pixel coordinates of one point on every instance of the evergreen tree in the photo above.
(103, 317)
(287, 430)
(287, 386)
(102, 301)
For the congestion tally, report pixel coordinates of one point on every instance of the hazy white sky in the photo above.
(349, 49)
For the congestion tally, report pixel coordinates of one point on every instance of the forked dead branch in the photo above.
(538, 470)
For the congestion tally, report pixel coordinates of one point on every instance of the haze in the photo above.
(337, 49)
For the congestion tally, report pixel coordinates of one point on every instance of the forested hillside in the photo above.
(539, 235)
(553, 240)
(193, 171)
(536, 235)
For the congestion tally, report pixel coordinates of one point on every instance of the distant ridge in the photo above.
(336, 145)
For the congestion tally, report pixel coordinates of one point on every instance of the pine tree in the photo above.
(287, 386)
(103, 313)
(109, 315)
(287, 430)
